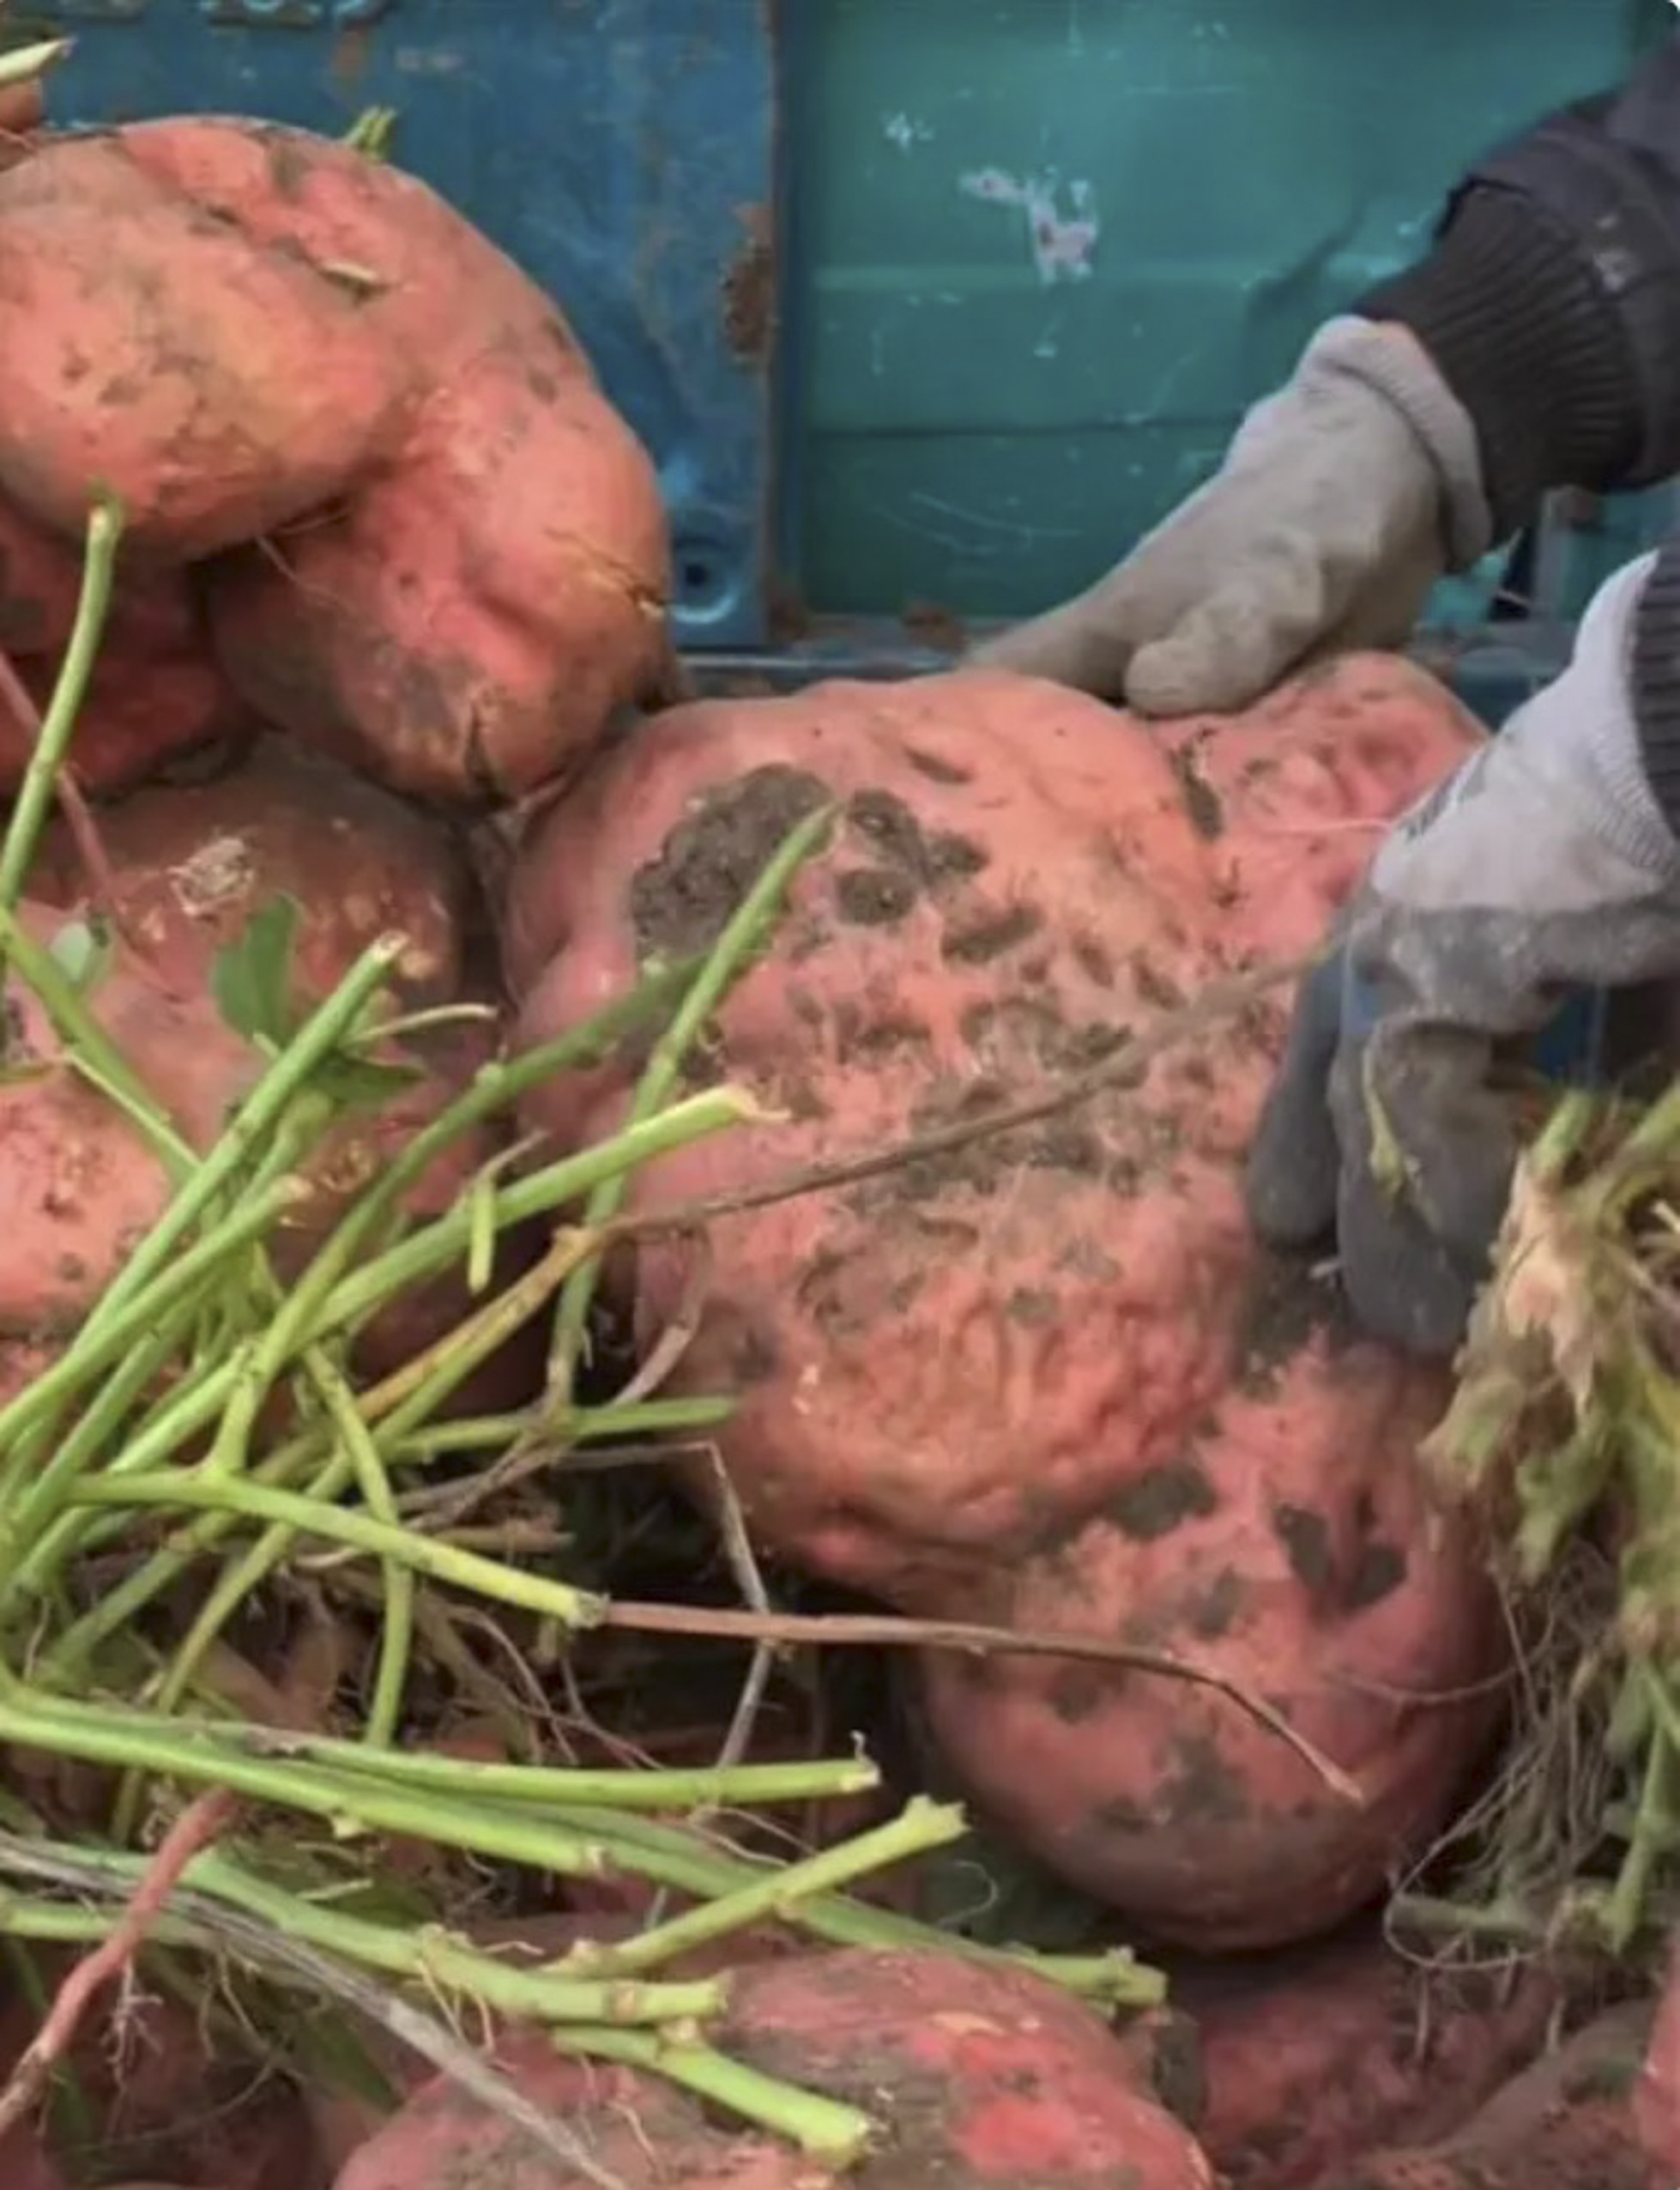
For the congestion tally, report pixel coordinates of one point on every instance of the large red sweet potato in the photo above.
(941, 1369)
(1564, 2124)
(975, 2078)
(1288, 1547)
(156, 352)
(466, 625)
(464, 620)
(191, 864)
(1052, 1378)
(1289, 2066)
(79, 1185)
(643, 2132)
(155, 691)
(978, 2075)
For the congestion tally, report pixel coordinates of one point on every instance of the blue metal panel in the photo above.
(621, 150)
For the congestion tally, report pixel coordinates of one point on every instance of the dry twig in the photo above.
(887, 1630)
(1209, 1008)
(194, 1831)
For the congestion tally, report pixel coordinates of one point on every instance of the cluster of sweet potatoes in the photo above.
(372, 493)
(390, 558)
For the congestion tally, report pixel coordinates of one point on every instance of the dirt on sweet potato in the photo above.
(155, 693)
(1049, 1377)
(1292, 1547)
(1290, 2065)
(153, 355)
(976, 2075)
(974, 2078)
(1567, 2123)
(941, 1369)
(466, 616)
(192, 863)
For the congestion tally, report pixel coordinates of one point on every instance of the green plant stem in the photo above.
(187, 1412)
(495, 1087)
(642, 1420)
(425, 1954)
(669, 1856)
(38, 1503)
(741, 937)
(70, 690)
(457, 1357)
(31, 1502)
(396, 1627)
(1626, 1906)
(24, 63)
(257, 1118)
(922, 1826)
(556, 1600)
(423, 1253)
(159, 1749)
(576, 1842)
(823, 2128)
(85, 1358)
(92, 1051)
(61, 1923)
(739, 1786)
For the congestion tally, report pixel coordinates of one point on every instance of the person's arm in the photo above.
(1550, 301)
(1536, 345)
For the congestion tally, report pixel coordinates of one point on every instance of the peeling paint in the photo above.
(1063, 245)
(748, 289)
(906, 131)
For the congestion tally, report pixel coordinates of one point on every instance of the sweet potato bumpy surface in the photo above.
(438, 551)
(1051, 1380)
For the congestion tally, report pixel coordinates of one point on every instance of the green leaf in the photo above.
(252, 978)
(83, 951)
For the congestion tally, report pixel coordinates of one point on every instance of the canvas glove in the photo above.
(1543, 865)
(1342, 500)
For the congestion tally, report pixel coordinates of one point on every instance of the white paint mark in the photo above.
(906, 132)
(1062, 244)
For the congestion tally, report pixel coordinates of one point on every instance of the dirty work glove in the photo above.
(1543, 865)
(1340, 502)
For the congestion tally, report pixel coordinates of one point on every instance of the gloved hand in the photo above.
(1542, 865)
(1342, 500)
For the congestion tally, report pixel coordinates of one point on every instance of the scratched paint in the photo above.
(907, 131)
(1063, 243)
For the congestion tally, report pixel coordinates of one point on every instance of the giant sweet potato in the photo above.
(216, 388)
(465, 622)
(1288, 1547)
(1050, 1378)
(942, 1368)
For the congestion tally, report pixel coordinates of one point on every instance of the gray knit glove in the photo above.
(1543, 866)
(1342, 500)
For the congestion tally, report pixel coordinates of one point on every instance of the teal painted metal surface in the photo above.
(1049, 250)
(1038, 255)
(622, 150)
